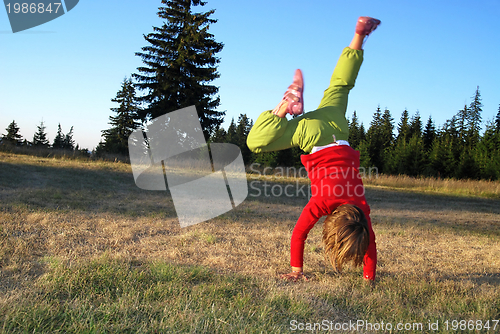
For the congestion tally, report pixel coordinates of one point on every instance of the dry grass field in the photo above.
(83, 250)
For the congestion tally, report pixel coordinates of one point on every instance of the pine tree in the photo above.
(123, 123)
(13, 137)
(403, 127)
(219, 135)
(69, 142)
(59, 139)
(387, 128)
(415, 126)
(362, 133)
(416, 156)
(179, 64)
(497, 121)
(232, 136)
(474, 117)
(487, 153)
(356, 131)
(429, 134)
(364, 155)
(242, 130)
(374, 140)
(436, 164)
(40, 137)
(461, 118)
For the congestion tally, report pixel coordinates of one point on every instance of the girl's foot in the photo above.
(293, 101)
(366, 25)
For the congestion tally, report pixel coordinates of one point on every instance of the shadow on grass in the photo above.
(68, 188)
(111, 188)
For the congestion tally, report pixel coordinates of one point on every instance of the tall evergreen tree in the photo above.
(179, 64)
(474, 117)
(219, 135)
(40, 137)
(374, 139)
(59, 138)
(487, 153)
(387, 128)
(429, 134)
(69, 142)
(124, 121)
(356, 131)
(13, 137)
(461, 118)
(415, 125)
(242, 130)
(232, 135)
(404, 127)
(379, 137)
(497, 121)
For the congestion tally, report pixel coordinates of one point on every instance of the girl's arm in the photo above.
(370, 259)
(272, 133)
(308, 218)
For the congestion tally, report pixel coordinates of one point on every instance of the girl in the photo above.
(332, 165)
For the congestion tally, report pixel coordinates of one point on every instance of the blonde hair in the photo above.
(346, 236)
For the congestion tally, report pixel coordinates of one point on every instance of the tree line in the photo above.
(12, 139)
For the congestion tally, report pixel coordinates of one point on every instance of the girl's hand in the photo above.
(294, 276)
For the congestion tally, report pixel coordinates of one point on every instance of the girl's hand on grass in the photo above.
(294, 276)
(370, 283)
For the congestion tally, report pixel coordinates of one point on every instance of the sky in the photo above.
(427, 56)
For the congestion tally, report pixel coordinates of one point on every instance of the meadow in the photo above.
(83, 250)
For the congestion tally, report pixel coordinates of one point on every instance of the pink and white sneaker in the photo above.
(366, 25)
(294, 95)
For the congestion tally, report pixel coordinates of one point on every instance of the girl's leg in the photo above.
(357, 42)
(364, 27)
(345, 73)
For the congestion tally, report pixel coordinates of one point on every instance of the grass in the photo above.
(123, 296)
(83, 250)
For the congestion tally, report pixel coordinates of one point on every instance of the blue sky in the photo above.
(427, 56)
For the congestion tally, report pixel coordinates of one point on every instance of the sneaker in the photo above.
(366, 25)
(294, 95)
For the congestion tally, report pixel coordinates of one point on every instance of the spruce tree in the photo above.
(416, 156)
(356, 132)
(13, 137)
(123, 123)
(59, 139)
(475, 118)
(374, 140)
(387, 128)
(436, 165)
(404, 127)
(452, 145)
(497, 121)
(232, 136)
(179, 63)
(461, 118)
(415, 126)
(40, 137)
(487, 153)
(219, 135)
(69, 142)
(429, 134)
